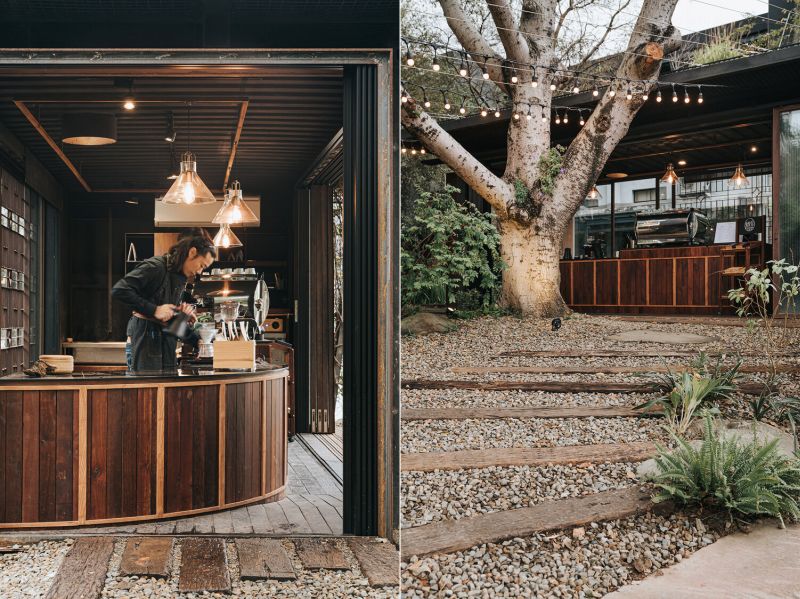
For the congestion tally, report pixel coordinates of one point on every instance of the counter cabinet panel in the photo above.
(38, 456)
(90, 452)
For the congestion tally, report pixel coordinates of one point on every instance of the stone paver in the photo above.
(764, 564)
(647, 336)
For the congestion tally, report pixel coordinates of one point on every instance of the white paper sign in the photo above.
(725, 232)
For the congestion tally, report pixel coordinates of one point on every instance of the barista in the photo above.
(153, 291)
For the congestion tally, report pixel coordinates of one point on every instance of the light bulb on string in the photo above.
(544, 115)
(414, 151)
(484, 68)
(576, 88)
(462, 109)
(552, 86)
(645, 96)
(686, 98)
(404, 97)
(422, 151)
(497, 113)
(628, 93)
(403, 150)
(658, 96)
(447, 105)
(528, 116)
(558, 118)
(435, 65)
(565, 120)
(595, 91)
(674, 95)
(462, 70)
(484, 112)
(582, 122)
(700, 95)
(611, 92)
(426, 102)
(514, 78)
(535, 78)
(409, 57)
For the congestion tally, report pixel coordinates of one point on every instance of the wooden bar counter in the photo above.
(661, 280)
(109, 447)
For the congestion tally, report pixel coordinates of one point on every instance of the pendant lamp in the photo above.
(594, 193)
(235, 211)
(188, 188)
(739, 179)
(89, 128)
(225, 238)
(670, 176)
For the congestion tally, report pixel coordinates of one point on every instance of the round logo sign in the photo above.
(749, 225)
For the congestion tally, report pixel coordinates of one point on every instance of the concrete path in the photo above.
(764, 564)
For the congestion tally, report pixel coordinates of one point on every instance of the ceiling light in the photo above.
(234, 210)
(681, 163)
(754, 148)
(88, 128)
(129, 104)
(132, 202)
(739, 179)
(225, 238)
(188, 188)
(617, 175)
(669, 176)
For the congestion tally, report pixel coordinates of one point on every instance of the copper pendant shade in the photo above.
(88, 128)
(739, 179)
(670, 176)
(235, 211)
(188, 188)
(594, 193)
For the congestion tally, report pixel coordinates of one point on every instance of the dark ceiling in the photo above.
(199, 23)
(292, 113)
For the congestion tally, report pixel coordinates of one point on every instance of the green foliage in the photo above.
(685, 393)
(549, 168)
(448, 249)
(744, 479)
(522, 195)
(787, 409)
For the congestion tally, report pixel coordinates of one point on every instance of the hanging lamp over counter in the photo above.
(188, 188)
(739, 179)
(226, 238)
(670, 176)
(234, 210)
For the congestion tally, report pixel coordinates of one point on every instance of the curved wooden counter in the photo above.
(92, 450)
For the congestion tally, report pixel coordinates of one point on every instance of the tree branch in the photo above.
(594, 49)
(473, 42)
(514, 43)
(652, 37)
(489, 186)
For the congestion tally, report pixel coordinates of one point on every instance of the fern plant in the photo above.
(686, 392)
(744, 479)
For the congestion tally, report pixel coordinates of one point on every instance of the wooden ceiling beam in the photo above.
(51, 142)
(236, 136)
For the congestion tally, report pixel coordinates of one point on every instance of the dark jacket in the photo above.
(149, 285)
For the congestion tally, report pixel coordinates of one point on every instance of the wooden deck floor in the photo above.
(313, 506)
(328, 449)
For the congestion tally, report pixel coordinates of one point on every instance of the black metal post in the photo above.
(658, 193)
(613, 219)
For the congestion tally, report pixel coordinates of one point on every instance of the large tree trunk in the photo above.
(531, 281)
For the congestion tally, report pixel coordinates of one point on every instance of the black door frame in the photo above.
(372, 507)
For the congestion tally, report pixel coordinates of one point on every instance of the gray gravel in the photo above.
(455, 435)
(560, 564)
(462, 398)
(30, 572)
(451, 495)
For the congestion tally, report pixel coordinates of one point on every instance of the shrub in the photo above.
(684, 393)
(744, 479)
(448, 249)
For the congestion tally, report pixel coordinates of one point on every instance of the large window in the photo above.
(789, 189)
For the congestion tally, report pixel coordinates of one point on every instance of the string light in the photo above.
(435, 65)
(484, 71)
(611, 92)
(409, 58)
(535, 80)
(462, 70)
(565, 120)
(700, 95)
(497, 113)
(628, 93)
(576, 88)
(514, 78)
(582, 122)
(462, 109)
(674, 94)
(544, 116)
(645, 96)
(686, 98)
(558, 118)
(484, 112)
(595, 91)
(658, 96)
(447, 104)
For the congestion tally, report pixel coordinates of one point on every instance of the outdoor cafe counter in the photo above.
(107, 447)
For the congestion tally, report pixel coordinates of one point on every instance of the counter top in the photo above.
(184, 375)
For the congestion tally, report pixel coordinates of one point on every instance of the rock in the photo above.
(578, 533)
(423, 323)
(647, 336)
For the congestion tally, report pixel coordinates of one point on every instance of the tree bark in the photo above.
(531, 282)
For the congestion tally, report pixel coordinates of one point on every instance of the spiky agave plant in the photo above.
(744, 479)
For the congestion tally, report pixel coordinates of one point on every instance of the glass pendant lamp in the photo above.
(670, 176)
(235, 211)
(188, 188)
(225, 238)
(594, 193)
(739, 179)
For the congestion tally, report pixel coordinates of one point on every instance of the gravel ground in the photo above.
(559, 564)
(476, 341)
(451, 495)
(456, 435)
(463, 398)
(30, 572)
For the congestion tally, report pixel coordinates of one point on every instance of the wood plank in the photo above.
(321, 554)
(146, 556)
(30, 457)
(379, 561)
(554, 386)
(83, 572)
(592, 369)
(458, 535)
(240, 519)
(203, 566)
(524, 412)
(312, 515)
(277, 517)
(296, 518)
(333, 518)
(526, 456)
(627, 353)
(264, 558)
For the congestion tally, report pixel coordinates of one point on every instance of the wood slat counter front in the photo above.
(115, 448)
(668, 280)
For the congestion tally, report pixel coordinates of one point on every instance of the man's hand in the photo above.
(164, 312)
(188, 309)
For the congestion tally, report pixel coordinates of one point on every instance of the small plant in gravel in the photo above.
(743, 479)
(686, 392)
(779, 281)
(787, 409)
